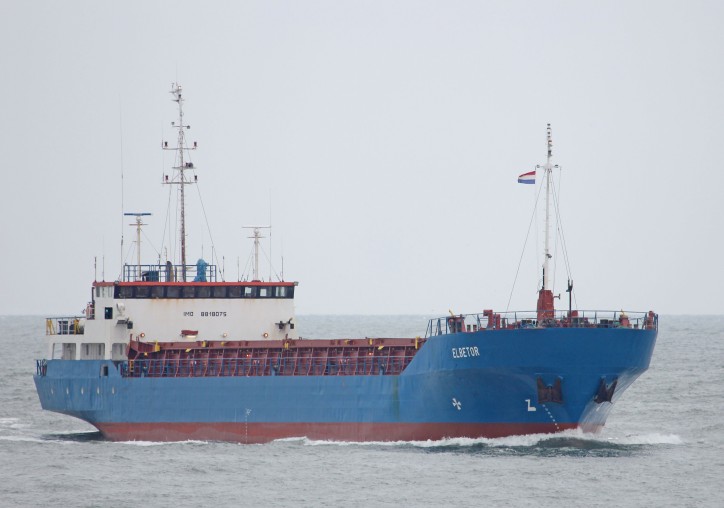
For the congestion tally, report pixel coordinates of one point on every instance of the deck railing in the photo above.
(41, 367)
(67, 325)
(166, 273)
(489, 320)
(297, 366)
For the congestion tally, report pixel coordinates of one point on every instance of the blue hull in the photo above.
(482, 384)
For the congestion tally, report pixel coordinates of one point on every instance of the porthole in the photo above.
(67, 391)
(113, 390)
(52, 392)
(82, 390)
(98, 390)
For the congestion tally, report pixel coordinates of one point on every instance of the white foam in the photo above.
(12, 423)
(300, 439)
(456, 441)
(162, 443)
(527, 440)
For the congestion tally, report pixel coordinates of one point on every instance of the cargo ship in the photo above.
(173, 351)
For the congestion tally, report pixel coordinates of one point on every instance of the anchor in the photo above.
(550, 393)
(605, 392)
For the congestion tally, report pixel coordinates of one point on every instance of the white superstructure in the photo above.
(174, 302)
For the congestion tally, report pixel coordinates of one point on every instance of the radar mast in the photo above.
(139, 222)
(256, 236)
(181, 166)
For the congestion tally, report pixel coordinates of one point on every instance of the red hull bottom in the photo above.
(355, 432)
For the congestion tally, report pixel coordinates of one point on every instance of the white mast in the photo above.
(548, 169)
(138, 224)
(545, 307)
(180, 167)
(257, 236)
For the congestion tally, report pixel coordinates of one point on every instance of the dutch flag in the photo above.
(527, 177)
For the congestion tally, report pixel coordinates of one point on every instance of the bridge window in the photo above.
(124, 292)
(220, 291)
(105, 291)
(194, 291)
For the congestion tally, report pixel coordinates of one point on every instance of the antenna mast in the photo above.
(257, 236)
(138, 224)
(181, 166)
(545, 306)
(548, 169)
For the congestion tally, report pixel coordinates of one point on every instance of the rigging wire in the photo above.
(120, 121)
(563, 242)
(150, 242)
(166, 222)
(558, 230)
(130, 250)
(246, 273)
(133, 248)
(539, 279)
(271, 266)
(167, 219)
(520, 261)
(214, 256)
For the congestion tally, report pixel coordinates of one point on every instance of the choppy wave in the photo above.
(663, 448)
(12, 423)
(573, 439)
(65, 438)
(75, 436)
(30, 439)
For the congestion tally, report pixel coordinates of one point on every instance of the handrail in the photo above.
(489, 320)
(65, 325)
(166, 273)
(41, 367)
(281, 366)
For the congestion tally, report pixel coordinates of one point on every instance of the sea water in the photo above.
(663, 445)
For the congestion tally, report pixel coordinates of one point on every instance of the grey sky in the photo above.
(389, 136)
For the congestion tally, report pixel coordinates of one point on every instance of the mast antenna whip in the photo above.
(256, 236)
(120, 121)
(139, 222)
(548, 169)
(182, 165)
